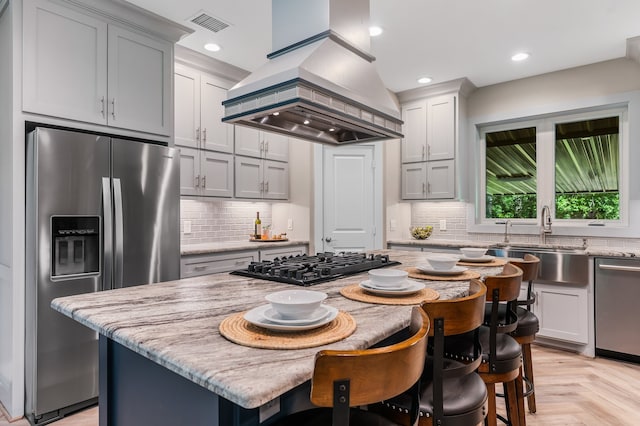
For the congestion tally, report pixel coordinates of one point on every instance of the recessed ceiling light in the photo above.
(212, 47)
(424, 80)
(306, 122)
(276, 113)
(332, 129)
(375, 31)
(519, 56)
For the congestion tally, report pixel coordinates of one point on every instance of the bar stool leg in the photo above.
(512, 404)
(491, 419)
(520, 398)
(528, 373)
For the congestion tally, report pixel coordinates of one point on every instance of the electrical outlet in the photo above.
(443, 224)
(393, 225)
(187, 227)
(289, 224)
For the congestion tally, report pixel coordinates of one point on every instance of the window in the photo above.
(570, 163)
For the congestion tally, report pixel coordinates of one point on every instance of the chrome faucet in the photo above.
(545, 224)
(507, 224)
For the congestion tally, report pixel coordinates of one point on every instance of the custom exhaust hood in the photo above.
(320, 83)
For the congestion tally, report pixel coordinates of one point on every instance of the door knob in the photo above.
(328, 239)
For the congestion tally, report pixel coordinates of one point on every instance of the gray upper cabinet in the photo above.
(428, 148)
(205, 173)
(256, 143)
(256, 178)
(81, 68)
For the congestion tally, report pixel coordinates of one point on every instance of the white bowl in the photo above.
(473, 251)
(442, 262)
(387, 277)
(295, 304)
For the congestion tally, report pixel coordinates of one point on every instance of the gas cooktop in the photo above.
(308, 270)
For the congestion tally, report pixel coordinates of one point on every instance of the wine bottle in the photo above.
(258, 227)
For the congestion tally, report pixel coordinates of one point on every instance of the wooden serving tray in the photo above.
(269, 240)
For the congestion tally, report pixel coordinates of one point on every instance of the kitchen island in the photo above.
(163, 358)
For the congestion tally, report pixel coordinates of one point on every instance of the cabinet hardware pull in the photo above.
(204, 181)
(261, 147)
(428, 151)
(204, 134)
(266, 147)
(200, 268)
(113, 108)
(240, 262)
(424, 188)
(102, 106)
(429, 188)
(266, 187)
(197, 181)
(424, 151)
(198, 134)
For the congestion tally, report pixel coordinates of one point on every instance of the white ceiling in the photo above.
(443, 39)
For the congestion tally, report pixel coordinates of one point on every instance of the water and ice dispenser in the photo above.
(76, 245)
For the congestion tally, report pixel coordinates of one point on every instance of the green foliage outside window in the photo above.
(602, 206)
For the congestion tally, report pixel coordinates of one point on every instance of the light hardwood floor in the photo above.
(570, 390)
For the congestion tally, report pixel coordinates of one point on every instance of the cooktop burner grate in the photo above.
(308, 270)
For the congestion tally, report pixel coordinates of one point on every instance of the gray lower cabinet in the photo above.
(205, 264)
(206, 173)
(270, 254)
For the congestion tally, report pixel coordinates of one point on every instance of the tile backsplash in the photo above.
(220, 220)
(455, 214)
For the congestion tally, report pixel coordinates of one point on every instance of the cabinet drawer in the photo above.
(193, 266)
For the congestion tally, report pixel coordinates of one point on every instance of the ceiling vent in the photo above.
(209, 22)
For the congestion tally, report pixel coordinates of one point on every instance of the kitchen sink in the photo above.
(563, 265)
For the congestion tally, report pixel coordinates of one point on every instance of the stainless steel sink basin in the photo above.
(565, 265)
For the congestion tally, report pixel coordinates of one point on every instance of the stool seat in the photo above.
(508, 352)
(528, 324)
(455, 402)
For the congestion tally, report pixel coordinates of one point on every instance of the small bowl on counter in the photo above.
(442, 261)
(473, 252)
(296, 304)
(387, 277)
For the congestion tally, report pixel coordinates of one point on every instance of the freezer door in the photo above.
(64, 195)
(146, 185)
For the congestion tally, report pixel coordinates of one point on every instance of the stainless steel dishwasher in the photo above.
(617, 292)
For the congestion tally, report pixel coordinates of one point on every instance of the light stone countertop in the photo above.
(175, 324)
(227, 246)
(594, 250)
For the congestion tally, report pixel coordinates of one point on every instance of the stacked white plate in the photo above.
(480, 259)
(401, 288)
(428, 269)
(267, 317)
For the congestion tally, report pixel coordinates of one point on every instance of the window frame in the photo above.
(545, 164)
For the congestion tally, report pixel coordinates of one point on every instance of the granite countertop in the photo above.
(226, 246)
(175, 324)
(594, 250)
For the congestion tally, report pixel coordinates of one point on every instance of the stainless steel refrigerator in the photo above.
(102, 213)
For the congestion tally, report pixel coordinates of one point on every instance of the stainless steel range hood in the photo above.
(320, 83)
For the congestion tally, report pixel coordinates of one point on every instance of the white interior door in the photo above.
(349, 202)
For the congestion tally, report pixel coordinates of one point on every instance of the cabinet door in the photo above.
(64, 64)
(414, 181)
(139, 82)
(562, 312)
(275, 146)
(414, 143)
(248, 174)
(189, 171)
(216, 135)
(247, 142)
(187, 107)
(217, 174)
(276, 180)
(441, 128)
(440, 179)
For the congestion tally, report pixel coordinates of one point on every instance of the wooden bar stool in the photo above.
(452, 393)
(352, 378)
(501, 353)
(528, 325)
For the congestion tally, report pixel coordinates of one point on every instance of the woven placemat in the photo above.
(355, 292)
(465, 276)
(493, 262)
(242, 332)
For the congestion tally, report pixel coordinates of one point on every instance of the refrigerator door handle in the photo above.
(118, 238)
(107, 234)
